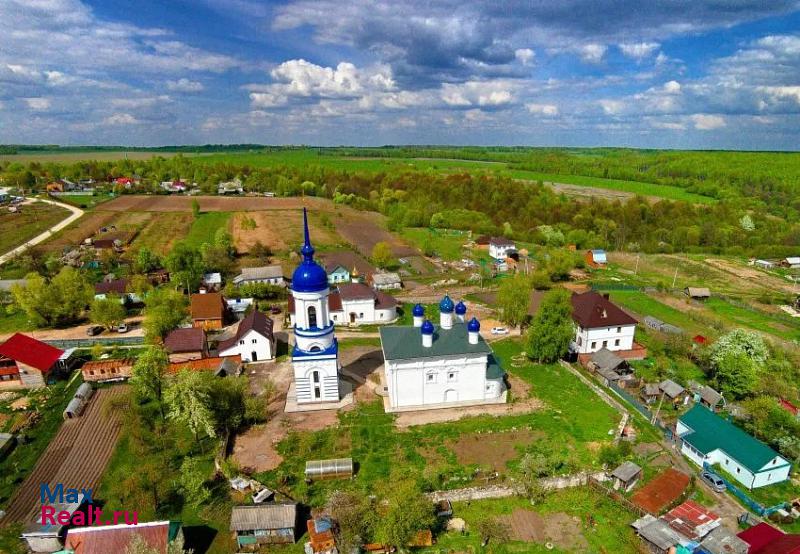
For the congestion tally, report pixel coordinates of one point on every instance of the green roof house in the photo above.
(709, 439)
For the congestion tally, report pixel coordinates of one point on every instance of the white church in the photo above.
(428, 366)
(315, 355)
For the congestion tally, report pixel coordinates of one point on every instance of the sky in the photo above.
(716, 74)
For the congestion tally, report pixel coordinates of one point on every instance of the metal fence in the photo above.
(738, 493)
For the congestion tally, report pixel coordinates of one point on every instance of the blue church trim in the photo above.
(329, 353)
(313, 332)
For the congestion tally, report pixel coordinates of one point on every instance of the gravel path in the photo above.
(41, 237)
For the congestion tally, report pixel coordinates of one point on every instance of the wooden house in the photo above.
(25, 361)
(185, 344)
(263, 524)
(208, 310)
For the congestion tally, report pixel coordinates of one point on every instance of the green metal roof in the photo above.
(710, 432)
(405, 342)
(494, 370)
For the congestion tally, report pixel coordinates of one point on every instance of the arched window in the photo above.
(315, 377)
(314, 348)
(312, 317)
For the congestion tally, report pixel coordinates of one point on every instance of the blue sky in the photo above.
(661, 73)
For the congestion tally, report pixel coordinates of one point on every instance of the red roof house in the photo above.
(29, 356)
(766, 539)
(117, 538)
(692, 520)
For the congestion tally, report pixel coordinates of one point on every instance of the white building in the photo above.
(429, 367)
(599, 323)
(501, 247)
(708, 440)
(254, 340)
(386, 281)
(357, 304)
(315, 356)
(269, 274)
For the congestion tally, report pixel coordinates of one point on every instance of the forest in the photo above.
(756, 215)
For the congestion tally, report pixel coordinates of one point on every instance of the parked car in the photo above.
(93, 330)
(275, 310)
(122, 328)
(499, 331)
(714, 481)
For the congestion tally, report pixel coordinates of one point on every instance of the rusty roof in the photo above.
(661, 491)
(207, 306)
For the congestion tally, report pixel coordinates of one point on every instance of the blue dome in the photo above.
(418, 311)
(461, 308)
(473, 326)
(446, 305)
(427, 328)
(309, 275)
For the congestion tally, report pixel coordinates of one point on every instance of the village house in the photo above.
(320, 535)
(656, 533)
(722, 541)
(40, 535)
(707, 439)
(500, 247)
(254, 340)
(763, 538)
(239, 306)
(27, 362)
(230, 187)
(709, 398)
(610, 367)
(596, 259)
(345, 266)
(691, 520)
(177, 186)
(599, 323)
(220, 366)
(437, 367)
(211, 282)
(208, 310)
(187, 343)
(697, 293)
(118, 287)
(673, 392)
(792, 262)
(269, 274)
(386, 281)
(100, 371)
(626, 476)
(62, 185)
(357, 304)
(105, 539)
(764, 264)
(263, 524)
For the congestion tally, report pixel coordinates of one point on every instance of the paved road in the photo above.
(41, 237)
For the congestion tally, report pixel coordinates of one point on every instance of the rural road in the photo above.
(41, 237)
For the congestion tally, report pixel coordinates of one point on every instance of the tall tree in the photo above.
(513, 299)
(108, 312)
(60, 301)
(189, 401)
(185, 265)
(355, 516)
(164, 310)
(382, 254)
(148, 375)
(552, 328)
(408, 511)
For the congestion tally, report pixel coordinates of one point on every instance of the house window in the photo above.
(605, 343)
(361, 316)
(738, 470)
(431, 377)
(254, 341)
(335, 318)
(452, 376)
(315, 377)
(594, 345)
(241, 341)
(580, 341)
(312, 317)
(91, 372)
(727, 461)
(619, 329)
(616, 342)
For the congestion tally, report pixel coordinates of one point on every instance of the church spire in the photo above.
(307, 250)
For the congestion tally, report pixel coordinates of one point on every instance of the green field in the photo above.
(644, 305)
(83, 200)
(31, 220)
(205, 227)
(754, 319)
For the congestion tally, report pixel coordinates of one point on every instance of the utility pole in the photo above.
(636, 271)
(655, 415)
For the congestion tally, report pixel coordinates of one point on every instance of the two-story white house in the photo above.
(428, 367)
(254, 340)
(357, 304)
(501, 247)
(708, 439)
(599, 323)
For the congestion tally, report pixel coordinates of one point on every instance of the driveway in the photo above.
(41, 237)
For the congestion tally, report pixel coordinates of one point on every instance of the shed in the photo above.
(651, 392)
(657, 533)
(596, 258)
(672, 390)
(723, 541)
(606, 361)
(626, 476)
(389, 280)
(792, 262)
(74, 408)
(263, 524)
(764, 264)
(329, 469)
(85, 391)
(692, 520)
(697, 293)
(709, 398)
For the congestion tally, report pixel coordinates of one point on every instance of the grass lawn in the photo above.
(33, 219)
(603, 524)
(644, 305)
(205, 227)
(754, 319)
(367, 434)
(15, 321)
(446, 246)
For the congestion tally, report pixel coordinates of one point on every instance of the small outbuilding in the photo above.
(722, 541)
(263, 524)
(673, 391)
(596, 258)
(79, 401)
(657, 533)
(709, 398)
(697, 293)
(329, 469)
(626, 476)
(385, 281)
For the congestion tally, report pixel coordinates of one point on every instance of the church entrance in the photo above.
(352, 317)
(451, 395)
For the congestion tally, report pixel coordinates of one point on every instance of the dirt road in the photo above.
(41, 237)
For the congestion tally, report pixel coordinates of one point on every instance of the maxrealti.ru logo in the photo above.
(92, 516)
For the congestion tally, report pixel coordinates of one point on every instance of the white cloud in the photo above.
(672, 87)
(612, 107)
(38, 104)
(524, 55)
(141, 102)
(549, 110)
(782, 92)
(707, 122)
(639, 50)
(497, 92)
(185, 85)
(121, 119)
(592, 53)
(667, 125)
